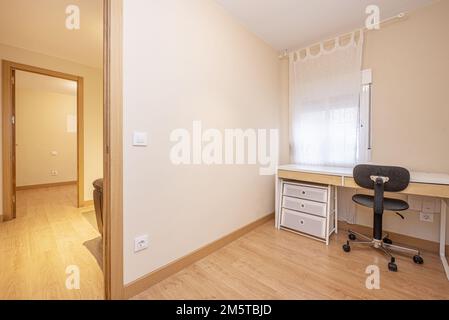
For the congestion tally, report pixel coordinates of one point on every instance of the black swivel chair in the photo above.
(381, 179)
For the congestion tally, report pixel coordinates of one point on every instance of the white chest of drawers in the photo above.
(307, 209)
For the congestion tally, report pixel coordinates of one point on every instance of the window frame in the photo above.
(365, 134)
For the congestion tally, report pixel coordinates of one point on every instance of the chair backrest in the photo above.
(398, 178)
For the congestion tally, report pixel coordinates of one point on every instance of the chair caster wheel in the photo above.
(352, 237)
(392, 266)
(347, 247)
(418, 260)
(387, 241)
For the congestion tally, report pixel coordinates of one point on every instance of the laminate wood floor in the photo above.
(49, 235)
(272, 264)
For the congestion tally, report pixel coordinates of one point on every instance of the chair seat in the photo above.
(389, 204)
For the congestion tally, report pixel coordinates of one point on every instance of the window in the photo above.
(326, 105)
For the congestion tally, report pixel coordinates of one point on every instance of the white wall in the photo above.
(186, 61)
(93, 106)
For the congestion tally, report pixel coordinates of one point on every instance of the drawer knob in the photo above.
(303, 192)
(301, 222)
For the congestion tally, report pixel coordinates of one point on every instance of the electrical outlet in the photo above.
(426, 217)
(141, 243)
(54, 173)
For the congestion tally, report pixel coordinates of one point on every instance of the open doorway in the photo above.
(46, 134)
(60, 231)
(46, 129)
(51, 243)
(48, 153)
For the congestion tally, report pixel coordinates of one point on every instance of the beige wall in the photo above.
(410, 63)
(41, 128)
(93, 105)
(195, 64)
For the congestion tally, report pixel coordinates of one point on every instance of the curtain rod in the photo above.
(285, 54)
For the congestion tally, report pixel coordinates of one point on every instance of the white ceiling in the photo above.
(37, 82)
(39, 26)
(294, 24)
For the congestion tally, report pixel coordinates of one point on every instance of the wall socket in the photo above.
(426, 217)
(54, 173)
(141, 243)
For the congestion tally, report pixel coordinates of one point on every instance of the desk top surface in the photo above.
(416, 177)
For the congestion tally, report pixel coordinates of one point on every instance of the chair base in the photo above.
(385, 245)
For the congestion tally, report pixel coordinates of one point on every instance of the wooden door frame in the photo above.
(8, 139)
(113, 150)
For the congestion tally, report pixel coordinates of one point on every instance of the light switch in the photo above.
(140, 139)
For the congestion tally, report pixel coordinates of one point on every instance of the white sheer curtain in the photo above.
(325, 90)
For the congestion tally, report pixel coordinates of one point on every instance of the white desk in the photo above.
(424, 184)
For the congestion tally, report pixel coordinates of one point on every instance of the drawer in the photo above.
(305, 223)
(306, 206)
(305, 192)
